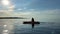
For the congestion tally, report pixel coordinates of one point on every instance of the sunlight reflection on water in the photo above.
(15, 26)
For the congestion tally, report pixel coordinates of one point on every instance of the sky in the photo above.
(41, 10)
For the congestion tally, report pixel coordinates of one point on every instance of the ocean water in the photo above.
(16, 26)
(43, 28)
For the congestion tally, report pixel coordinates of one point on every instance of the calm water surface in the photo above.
(17, 27)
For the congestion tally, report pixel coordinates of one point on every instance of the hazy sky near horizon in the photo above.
(43, 10)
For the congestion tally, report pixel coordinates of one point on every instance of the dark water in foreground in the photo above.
(17, 27)
(43, 28)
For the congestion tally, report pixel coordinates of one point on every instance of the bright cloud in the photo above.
(11, 8)
(19, 9)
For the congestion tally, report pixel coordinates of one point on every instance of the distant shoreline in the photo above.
(12, 18)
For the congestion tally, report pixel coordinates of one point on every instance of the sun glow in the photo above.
(5, 2)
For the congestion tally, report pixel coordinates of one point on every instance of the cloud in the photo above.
(44, 15)
(19, 9)
(48, 15)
